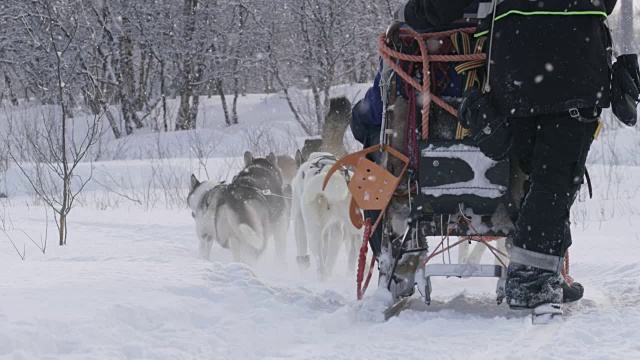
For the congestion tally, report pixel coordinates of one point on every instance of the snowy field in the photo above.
(130, 284)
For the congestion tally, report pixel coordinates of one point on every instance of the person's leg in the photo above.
(542, 230)
(524, 132)
(558, 163)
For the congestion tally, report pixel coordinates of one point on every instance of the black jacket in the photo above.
(541, 64)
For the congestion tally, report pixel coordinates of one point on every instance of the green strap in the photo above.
(552, 13)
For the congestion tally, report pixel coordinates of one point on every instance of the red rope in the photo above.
(483, 239)
(362, 259)
(389, 54)
(371, 267)
(565, 270)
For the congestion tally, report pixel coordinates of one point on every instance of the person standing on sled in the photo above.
(550, 71)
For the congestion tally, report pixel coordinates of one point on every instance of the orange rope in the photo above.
(565, 269)
(389, 54)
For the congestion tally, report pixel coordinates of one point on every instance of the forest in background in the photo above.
(122, 59)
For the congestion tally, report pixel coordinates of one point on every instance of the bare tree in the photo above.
(134, 57)
(626, 26)
(333, 41)
(49, 145)
(22, 255)
(203, 145)
(187, 66)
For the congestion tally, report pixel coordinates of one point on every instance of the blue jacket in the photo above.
(366, 116)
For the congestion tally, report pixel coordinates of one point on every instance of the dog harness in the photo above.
(328, 160)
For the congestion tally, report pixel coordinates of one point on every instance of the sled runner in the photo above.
(433, 180)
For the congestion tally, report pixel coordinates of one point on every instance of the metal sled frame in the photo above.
(448, 270)
(447, 227)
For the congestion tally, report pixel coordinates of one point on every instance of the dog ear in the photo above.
(248, 158)
(272, 159)
(194, 182)
(299, 159)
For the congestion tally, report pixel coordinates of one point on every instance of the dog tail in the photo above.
(243, 222)
(335, 192)
(251, 237)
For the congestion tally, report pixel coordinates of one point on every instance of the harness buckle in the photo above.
(574, 113)
(346, 175)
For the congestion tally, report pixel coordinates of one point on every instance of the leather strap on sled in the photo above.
(371, 185)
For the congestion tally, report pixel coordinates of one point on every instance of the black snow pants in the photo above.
(552, 151)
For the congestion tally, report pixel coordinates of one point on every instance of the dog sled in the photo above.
(427, 176)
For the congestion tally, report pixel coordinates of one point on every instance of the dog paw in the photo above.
(304, 261)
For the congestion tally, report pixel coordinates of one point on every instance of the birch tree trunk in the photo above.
(626, 25)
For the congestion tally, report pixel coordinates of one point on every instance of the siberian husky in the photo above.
(244, 214)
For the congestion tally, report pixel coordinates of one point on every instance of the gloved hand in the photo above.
(472, 103)
(490, 131)
(625, 89)
(630, 62)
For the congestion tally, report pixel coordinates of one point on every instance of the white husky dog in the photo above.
(321, 218)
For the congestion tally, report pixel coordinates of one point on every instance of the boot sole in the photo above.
(543, 303)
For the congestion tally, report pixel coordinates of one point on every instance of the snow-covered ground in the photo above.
(130, 284)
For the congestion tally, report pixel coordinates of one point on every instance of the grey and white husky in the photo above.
(243, 215)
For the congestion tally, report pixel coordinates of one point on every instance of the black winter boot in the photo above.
(571, 293)
(528, 287)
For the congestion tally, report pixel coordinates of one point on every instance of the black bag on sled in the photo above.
(490, 132)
